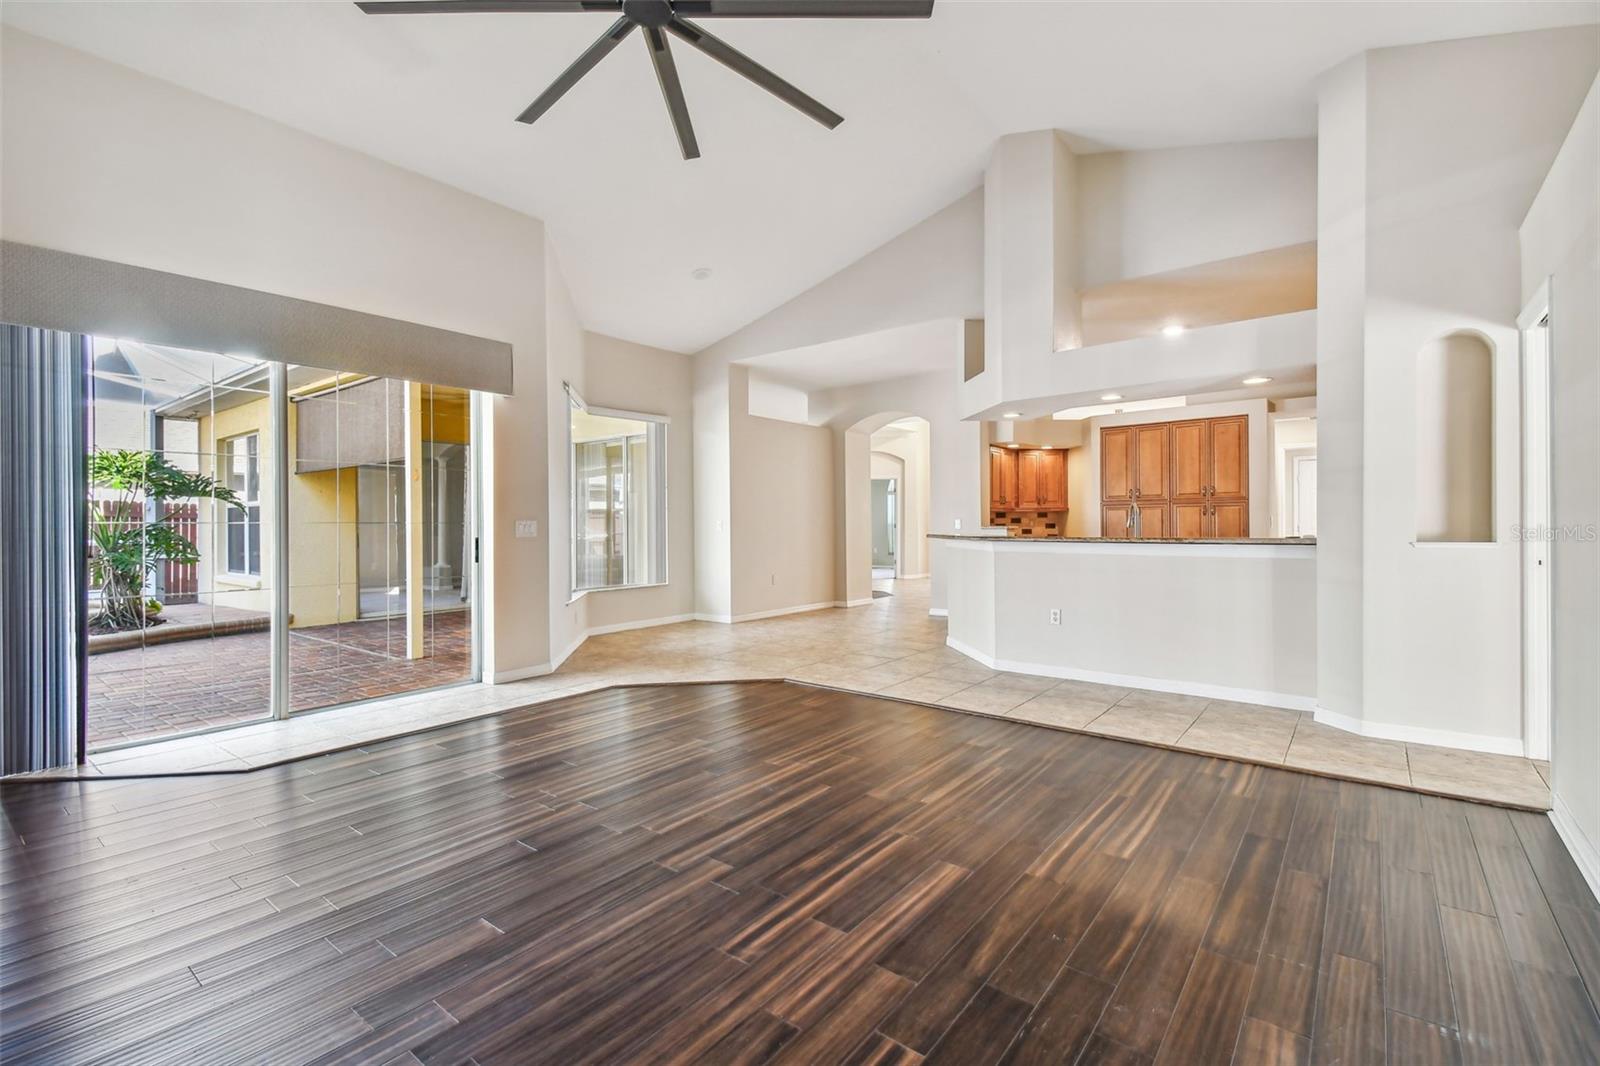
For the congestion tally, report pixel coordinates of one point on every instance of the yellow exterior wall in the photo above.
(323, 587)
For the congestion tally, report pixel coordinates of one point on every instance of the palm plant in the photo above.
(125, 548)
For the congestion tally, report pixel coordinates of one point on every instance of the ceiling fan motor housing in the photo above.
(648, 13)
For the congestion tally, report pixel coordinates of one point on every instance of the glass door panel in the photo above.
(380, 538)
(179, 597)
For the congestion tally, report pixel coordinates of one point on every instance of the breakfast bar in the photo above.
(1224, 619)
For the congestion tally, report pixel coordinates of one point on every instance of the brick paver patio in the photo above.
(164, 689)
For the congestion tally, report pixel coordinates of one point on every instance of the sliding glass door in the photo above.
(380, 545)
(234, 576)
(179, 599)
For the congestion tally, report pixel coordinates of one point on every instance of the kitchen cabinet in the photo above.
(1041, 479)
(1189, 478)
(1027, 479)
(1002, 479)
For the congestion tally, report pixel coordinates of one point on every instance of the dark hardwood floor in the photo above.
(769, 872)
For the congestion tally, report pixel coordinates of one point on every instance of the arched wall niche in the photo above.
(1455, 439)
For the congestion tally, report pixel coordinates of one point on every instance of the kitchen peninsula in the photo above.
(1227, 619)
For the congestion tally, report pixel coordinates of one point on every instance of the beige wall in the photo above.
(783, 510)
(633, 377)
(211, 191)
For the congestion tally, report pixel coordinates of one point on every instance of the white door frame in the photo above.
(1536, 516)
(1306, 455)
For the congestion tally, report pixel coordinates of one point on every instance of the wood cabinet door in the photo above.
(1002, 479)
(1116, 464)
(1152, 461)
(1114, 521)
(1028, 480)
(1052, 480)
(1189, 520)
(1230, 519)
(1153, 520)
(1190, 469)
(1230, 457)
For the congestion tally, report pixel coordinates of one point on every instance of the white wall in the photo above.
(105, 162)
(564, 344)
(1260, 649)
(634, 377)
(1560, 240)
(1453, 140)
(1146, 212)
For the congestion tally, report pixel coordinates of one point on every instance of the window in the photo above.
(619, 505)
(241, 472)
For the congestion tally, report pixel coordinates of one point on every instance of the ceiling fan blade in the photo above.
(442, 7)
(672, 90)
(805, 9)
(580, 66)
(737, 61)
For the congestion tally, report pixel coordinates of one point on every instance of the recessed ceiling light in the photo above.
(1047, 447)
(1011, 414)
(1257, 380)
(1108, 397)
(700, 273)
(1013, 445)
(1171, 331)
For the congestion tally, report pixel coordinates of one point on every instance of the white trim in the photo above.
(939, 612)
(523, 673)
(645, 623)
(1206, 549)
(1411, 734)
(910, 577)
(1582, 849)
(756, 616)
(1285, 700)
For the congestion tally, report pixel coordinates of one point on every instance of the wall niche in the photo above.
(1455, 439)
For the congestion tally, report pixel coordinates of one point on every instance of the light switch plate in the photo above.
(528, 527)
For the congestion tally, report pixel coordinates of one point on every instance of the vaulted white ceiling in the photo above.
(778, 202)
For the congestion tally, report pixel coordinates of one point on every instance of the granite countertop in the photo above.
(1310, 541)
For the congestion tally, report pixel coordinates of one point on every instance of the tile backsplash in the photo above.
(1030, 523)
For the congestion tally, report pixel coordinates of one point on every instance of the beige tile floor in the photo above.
(893, 648)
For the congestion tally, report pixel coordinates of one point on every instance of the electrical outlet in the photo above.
(1055, 616)
(527, 527)
(958, 525)
(774, 580)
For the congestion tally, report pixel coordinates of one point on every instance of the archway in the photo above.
(897, 441)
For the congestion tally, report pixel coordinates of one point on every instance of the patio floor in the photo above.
(164, 689)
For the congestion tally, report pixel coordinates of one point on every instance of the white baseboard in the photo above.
(854, 603)
(1285, 700)
(523, 673)
(1409, 734)
(939, 612)
(648, 623)
(1583, 850)
(911, 577)
(756, 616)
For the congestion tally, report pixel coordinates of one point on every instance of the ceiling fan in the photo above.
(657, 18)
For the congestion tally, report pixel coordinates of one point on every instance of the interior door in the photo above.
(1305, 496)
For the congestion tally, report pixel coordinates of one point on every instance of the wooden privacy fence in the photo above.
(175, 582)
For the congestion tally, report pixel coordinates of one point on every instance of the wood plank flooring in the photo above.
(774, 873)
